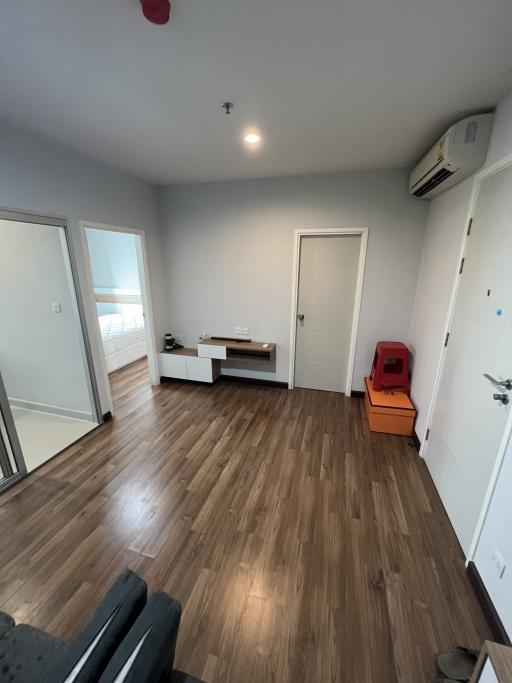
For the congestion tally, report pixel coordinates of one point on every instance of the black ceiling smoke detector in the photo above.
(227, 106)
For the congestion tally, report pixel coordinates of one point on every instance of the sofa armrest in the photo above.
(87, 655)
(147, 652)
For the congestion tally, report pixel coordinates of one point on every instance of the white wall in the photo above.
(501, 139)
(38, 176)
(496, 535)
(496, 531)
(446, 224)
(40, 351)
(228, 252)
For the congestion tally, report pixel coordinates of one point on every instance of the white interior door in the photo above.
(469, 418)
(328, 269)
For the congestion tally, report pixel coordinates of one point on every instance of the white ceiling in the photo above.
(331, 84)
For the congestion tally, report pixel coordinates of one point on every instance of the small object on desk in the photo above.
(170, 343)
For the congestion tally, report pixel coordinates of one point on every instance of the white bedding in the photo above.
(116, 325)
(124, 338)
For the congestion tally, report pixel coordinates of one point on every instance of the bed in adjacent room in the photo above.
(122, 332)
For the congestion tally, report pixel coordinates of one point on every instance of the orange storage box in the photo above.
(391, 412)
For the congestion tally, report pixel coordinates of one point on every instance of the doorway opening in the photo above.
(48, 396)
(327, 285)
(120, 285)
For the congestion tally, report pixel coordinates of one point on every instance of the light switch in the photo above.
(56, 307)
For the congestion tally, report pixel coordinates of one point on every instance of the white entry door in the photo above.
(471, 412)
(328, 270)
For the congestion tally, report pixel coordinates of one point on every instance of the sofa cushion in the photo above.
(87, 655)
(26, 653)
(146, 655)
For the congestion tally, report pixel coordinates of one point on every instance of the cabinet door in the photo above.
(173, 366)
(199, 369)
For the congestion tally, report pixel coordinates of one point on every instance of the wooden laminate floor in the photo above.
(303, 547)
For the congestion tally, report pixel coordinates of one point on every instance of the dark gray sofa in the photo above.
(128, 639)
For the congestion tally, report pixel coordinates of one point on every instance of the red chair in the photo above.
(390, 367)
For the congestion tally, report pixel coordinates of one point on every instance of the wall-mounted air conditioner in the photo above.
(457, 154)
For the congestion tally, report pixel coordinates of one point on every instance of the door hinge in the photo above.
(427, 434)
(446, 339)
(461, 265)
(469, 226)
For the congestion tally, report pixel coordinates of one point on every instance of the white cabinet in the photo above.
(172, 365)
(200, 369)
(186, 364)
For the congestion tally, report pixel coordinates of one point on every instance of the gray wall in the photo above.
(114, 265)
(113, 259)
(36, 175)
(228, 254)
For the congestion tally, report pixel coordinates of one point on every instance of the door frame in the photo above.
(327, 232)
(145, 291)
(479, 177)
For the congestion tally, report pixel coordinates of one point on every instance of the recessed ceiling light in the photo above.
(252, 138)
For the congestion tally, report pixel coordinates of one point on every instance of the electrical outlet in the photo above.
(245, 330)
(499, 562)
(179, 338)
(56, 307)
(238, 330)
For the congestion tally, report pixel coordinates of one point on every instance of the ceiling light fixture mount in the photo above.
(227, 107)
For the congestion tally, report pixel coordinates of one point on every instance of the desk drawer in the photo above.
(211, 351)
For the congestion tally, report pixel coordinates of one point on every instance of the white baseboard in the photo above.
(54, 410)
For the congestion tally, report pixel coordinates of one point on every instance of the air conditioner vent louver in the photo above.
(437, 178)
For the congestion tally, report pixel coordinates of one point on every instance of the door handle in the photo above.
(300, 316)
(506, 383)
(502, 398)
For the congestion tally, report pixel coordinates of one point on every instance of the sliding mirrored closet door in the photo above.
(12, 465)
(44, 362)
